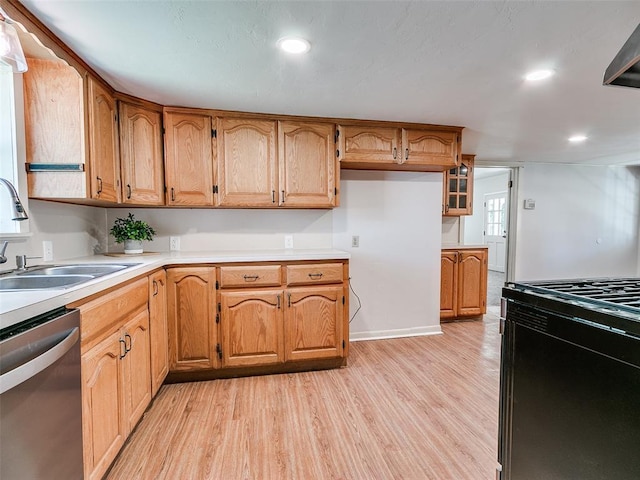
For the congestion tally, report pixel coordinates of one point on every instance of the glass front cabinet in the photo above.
(458, 188)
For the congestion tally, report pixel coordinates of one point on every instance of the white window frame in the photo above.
(12, 152)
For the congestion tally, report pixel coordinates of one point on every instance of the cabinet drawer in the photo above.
(250, 276)
(100, 316)
(313, 274)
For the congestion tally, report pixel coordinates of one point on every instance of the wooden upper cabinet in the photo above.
(380, 147)
(54, 111)
(188, 158)
(370, 145)
(457, 189)
(308, 169)
(424, 148)
(247, 165)
(141, 155)
(104, 158)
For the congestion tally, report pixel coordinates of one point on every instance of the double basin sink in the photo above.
(57, 276)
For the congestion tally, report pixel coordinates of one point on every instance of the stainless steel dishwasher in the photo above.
(40, 398)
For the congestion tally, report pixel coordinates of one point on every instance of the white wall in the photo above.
(75, 230)
(234, 229)
(474, 224)
(451, 230)
(585, 223)
(396, 269)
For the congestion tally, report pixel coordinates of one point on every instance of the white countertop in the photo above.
(17, 306)
(461, 246)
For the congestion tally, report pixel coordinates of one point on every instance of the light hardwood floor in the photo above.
(414, 408)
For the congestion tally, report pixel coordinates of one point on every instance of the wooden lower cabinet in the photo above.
(116, 371)
(191, 312)
(251, 327)
(313, 323)
(103, 421)
(158, 329)
(463, 283)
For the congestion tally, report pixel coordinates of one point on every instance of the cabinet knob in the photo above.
(99, 185)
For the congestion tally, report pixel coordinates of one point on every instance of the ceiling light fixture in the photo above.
(295, 45)
(577, 138)
(537, 75)
(10, 49)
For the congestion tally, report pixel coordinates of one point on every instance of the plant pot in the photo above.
(133, 246)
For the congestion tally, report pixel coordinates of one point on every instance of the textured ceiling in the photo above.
(443, 62)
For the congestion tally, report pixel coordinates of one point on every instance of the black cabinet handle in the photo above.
(99, 186)
(128, 191)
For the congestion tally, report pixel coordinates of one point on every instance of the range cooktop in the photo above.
(618, 297)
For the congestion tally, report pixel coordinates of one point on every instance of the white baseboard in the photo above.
(399, 333)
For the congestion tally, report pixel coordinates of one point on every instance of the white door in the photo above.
(495, 229)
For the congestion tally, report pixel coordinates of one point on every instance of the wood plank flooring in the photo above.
(414, 408)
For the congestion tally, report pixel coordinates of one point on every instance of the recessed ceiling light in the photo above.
(577, 138)
(536, 75)
(294, 45)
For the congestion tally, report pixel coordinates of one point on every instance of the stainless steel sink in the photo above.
(94, 270)
(57, 276)
(41, 282)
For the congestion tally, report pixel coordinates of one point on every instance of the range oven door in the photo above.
(569, 399)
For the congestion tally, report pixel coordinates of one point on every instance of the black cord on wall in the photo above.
(359, 302)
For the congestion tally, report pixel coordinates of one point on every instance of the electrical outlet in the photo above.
(174, 243)
(355, 241)
(288, 241)
(47, 250)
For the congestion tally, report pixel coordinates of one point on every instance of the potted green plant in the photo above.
(131, 232)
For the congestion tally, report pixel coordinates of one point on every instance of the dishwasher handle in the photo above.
(31, 368)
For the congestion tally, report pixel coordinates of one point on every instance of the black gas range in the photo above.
(570, 380)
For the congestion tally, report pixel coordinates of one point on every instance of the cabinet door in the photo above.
(137, 367)
(307, 158)
(314, 323)
(191, 318)
(104, 162)
(448, 283)
(365, 146)
(188, 159)
(104, 426)
(472, 282)
(246, 163)
(141, 155)
(424, 148)
(54, 118)
(158, 329)
(251, 325)
(458, 188)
